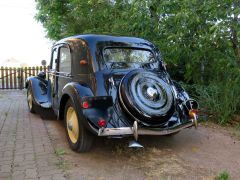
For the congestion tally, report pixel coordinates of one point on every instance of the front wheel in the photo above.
(30, 101)
(79, 138)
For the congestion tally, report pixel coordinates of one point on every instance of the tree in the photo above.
(200, 37)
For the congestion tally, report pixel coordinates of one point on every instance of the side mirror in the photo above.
(42, 75)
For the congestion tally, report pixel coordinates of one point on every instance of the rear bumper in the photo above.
(143, 131)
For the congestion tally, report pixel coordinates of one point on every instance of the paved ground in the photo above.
(26, 151)
(32, 147)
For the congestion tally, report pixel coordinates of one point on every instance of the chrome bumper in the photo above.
(142, 131)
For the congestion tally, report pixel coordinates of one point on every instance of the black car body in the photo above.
(110, 86)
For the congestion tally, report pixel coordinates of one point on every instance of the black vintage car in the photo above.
(110, 86)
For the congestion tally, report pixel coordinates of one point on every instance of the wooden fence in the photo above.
(14, 78)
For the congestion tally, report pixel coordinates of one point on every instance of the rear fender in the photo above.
(41, 91)
(78, 93)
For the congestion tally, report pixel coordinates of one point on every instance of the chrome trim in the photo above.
(142, 131)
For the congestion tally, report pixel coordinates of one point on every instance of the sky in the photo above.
(21, 37)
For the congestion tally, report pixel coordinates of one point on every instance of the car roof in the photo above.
(95, 38)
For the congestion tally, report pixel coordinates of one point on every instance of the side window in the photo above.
(65, 60)
(54, 59)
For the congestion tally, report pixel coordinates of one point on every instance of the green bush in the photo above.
(219, 100)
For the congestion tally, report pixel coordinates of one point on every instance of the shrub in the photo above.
(224, 175)
(219, 100)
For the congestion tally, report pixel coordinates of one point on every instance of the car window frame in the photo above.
(54, 61)
(59, 60)
(124, 47)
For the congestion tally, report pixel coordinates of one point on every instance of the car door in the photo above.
(64, 71)
(53, 75)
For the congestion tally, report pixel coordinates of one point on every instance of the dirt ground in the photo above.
(190, 154)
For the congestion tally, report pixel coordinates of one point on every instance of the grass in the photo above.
(61, 164)
(223, 175)
(60, 152)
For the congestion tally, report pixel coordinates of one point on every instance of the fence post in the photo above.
(25, 73)
(33, 71)
(6, 75)
(10, 76)
(22, 78)
(15, 78)
(2, 73)
(37, 70)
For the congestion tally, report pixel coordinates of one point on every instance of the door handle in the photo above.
(69, 75)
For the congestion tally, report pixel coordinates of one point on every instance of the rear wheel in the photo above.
(79, 138)
(30, 100)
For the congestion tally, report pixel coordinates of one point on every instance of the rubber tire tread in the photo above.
(85, 139)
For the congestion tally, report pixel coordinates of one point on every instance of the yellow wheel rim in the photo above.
(72, 125)
(30, 99)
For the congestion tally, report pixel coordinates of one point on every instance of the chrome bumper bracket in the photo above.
(142, 131)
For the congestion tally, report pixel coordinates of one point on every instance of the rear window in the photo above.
(127, 57)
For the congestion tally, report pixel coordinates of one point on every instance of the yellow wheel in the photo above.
(30, 101)
(72, 125)
(79, 138)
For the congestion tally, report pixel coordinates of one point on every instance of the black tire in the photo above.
(81, 141)
(30, 100)
(146, 96)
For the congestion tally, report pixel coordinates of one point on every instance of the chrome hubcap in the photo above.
(152, 92)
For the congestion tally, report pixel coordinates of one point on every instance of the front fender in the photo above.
(40, 90)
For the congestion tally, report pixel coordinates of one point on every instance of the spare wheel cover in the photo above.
(146, 97)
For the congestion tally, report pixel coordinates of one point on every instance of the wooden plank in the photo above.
(21, 75)
(37, 70)
(33, 71)
(25, 73)
(6, 74)
(10, 78)
(15, 78)
(2, 73)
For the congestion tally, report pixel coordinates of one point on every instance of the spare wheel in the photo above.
(145, 96)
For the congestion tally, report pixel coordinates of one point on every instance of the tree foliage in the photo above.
(200, 40)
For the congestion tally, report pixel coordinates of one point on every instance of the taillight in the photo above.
(101, 123)
(85, 104)
(192, 113)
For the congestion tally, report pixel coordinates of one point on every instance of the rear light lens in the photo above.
(192, 113)
(101, 123)
(85, 105)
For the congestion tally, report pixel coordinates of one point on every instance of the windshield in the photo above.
(127, 58)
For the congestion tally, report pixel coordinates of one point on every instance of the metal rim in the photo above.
(72, 124)
(30, 99)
